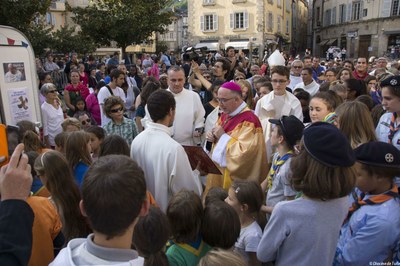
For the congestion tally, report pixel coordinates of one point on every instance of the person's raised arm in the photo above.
(196, 71)
(16, 217)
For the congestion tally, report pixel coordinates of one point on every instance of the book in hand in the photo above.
(196, 154)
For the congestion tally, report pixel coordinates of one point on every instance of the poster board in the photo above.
(19, 94)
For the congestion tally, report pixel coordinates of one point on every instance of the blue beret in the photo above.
(392, 81)
(326, 144)
(378, 153)
(292, 128)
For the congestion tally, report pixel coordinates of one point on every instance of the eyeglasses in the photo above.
(222, 100)
(117, 110)
(52, 91)
(297, 67)
(280, 81)
(84, 122)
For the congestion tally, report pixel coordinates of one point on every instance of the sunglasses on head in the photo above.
(117, 110)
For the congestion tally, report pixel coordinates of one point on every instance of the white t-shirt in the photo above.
(103, 94)
(248, 240)
(52, 119)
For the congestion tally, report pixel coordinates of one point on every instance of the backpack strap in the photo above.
(110, 90)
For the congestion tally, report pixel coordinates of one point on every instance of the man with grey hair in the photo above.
(295, 73)
(380, 63)
(13, 74)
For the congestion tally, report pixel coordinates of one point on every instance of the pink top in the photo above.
(84, 79)
(92, 105)
(83, 90)
(154, 71)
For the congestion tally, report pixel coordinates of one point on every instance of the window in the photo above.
(395, 8)
(317, 16)
(356, 10)
(365, 12)
(333, 20)
(208, 2)
(270, 25)
(48, 18)
(171, 36)
(327, 18)
(278, 24)
(342, 13)
(239, 20)
(209, 22)
(278, 3)
(288, 5)
(287, 26)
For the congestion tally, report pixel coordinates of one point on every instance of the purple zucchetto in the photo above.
(231, 86)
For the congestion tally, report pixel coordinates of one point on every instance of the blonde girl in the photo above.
(355, 121)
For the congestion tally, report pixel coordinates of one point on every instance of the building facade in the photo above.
(176, 36)
(249, 25)
(299, 26)
(364, 28)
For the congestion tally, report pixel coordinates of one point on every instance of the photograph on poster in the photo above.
(14, 72)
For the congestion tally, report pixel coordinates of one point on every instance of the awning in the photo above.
(331, 41)
(141, 49)
(390, 32)
(211, 46)
(322, 43)
(245, 45)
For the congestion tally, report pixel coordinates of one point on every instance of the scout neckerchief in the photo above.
(393, 129)
(373, 200)
(276, 164)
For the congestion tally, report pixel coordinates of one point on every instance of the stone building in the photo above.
(364, 28)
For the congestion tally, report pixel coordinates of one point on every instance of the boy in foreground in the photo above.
(113, 197)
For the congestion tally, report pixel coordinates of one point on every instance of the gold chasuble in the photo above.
(243, 156)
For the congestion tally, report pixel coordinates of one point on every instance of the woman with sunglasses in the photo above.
(52, 114)
(119, 125)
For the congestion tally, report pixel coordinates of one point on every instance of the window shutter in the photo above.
(215, 20)
(333, 20)
(246, 19)
(344, 13)
(232, 21)
(361, 9)
(349, 10)
(202, 23)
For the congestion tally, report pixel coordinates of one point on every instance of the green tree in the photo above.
(122, 21)
(39, 35)
(20, 13)
(67, 40)
(26, 17)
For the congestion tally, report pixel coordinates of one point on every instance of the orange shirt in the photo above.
(46, 226)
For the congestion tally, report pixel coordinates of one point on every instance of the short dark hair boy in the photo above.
(112, 199)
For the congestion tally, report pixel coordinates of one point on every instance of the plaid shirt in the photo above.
(127, 129)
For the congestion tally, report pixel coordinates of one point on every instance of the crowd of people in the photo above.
(307, 154)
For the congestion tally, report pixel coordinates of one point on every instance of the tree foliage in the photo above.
(122, 21)
(39, 35)
(67, 40)
(20, 13)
